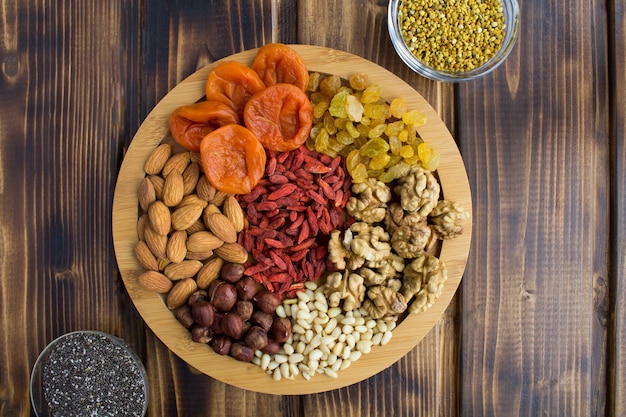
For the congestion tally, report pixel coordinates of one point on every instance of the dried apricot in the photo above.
(280, 116)
(233, 83)
(190, 124)
(233, 159)
(277, 63)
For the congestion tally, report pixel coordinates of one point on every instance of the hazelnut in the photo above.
(183, 315)
(199, 295)
(232, 272)
(217, 323)
(246, 288)
(224, 296)
(243, 309)
(221, 344)
(246, 327)
(272, 347)
(262, 319)
(203, 313)
(267, 301)
(232, 325)
(241, 352)
(256, 338)
(280, 329)
(200, 334)
(212, 286)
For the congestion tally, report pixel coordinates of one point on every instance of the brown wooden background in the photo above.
(538, 326)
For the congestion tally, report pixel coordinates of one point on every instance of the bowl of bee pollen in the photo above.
(453, 40)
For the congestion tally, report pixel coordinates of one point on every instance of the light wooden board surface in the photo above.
(454, 252)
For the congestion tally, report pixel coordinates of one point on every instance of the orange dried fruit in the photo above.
(233, 159)
(280, 116)
(233, 83)
(190, 124)
(277, 63)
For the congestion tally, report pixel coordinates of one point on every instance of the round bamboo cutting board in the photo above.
(151, 306)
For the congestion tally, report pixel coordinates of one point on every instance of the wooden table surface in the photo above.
(538, 326)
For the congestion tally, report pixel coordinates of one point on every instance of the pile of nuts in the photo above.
(188, 247)
(324, 340)
(235, 316)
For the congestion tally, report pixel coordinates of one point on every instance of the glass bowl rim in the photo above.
(114, 339)
(512, 18)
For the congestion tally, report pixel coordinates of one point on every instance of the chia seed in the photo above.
(89, 374)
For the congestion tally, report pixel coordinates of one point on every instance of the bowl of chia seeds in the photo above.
(88, 373)
(453, 40)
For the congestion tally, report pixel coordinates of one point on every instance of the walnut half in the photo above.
(384, 303)
(423, 282)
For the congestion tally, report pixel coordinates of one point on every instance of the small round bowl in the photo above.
(83, 358)
(511, 22)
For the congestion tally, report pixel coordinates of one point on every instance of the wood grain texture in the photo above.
(617, 286)
(534, 319)
(66, 105)
(179, 39)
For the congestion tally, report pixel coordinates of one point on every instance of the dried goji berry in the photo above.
(299, 255)
(255, 269)
(278, 261)
(304, 232)
(316, 197)
(304, 245)
(282, 191)
(326, 189)
(274, 243)
(278, 179)
(266, 206)
(276, 223)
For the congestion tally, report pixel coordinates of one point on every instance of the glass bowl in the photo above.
(87, 373)
(510, 10)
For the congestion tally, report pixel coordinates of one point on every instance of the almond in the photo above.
(204, 189)
(195, 157)
(203, 241)
(157, 159)
(155, 281)
(141, 226)
(160, 217)
(185, 216)
(232, 252)
(219, 198)
(177, 162)
(147, 195)
(210, 209)
(177, 246)
(157, 182)
(191, 175)
(192, 199)
(209, 272)
(155, 241)
(163, 263)
(233, 211)
(198, 226)
(173, 189)
(199, 256)
(181, 292)
(221, 226)
(145, 256)
(184, 269)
